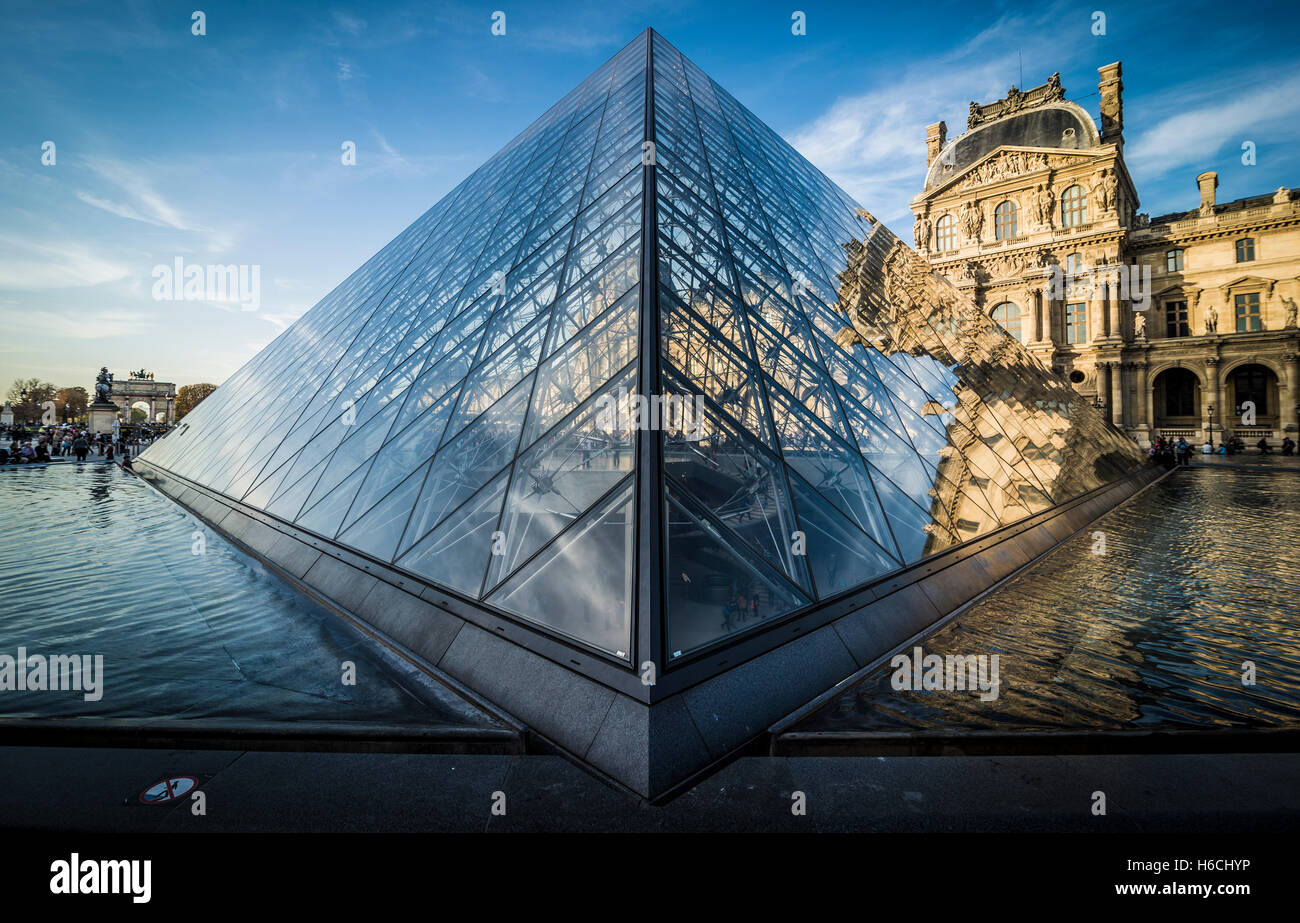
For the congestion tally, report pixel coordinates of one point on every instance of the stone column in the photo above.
(1103, 382)
(1117, 394)
(1105, 328)
(1144, 409)
(1289, 412)
(1116, 331)
(152, 410)
(1036, 296)
(1215, 383)
(171, 410)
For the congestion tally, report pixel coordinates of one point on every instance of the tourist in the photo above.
(1288, 446)
(81, 447)
(1184, 449)
(1206, 448)
(108, 452)
(126, 460)
(1262, 445)
(1223, 449)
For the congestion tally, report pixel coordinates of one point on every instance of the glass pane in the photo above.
(469, 461)
(715, 589)
(581, 584)
(376, 533)
(456, 553)
(839, 554)
(564, 474)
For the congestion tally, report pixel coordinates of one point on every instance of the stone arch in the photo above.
(1178, 394)
(1231, 365)
(1197, 369)
(1268, 404)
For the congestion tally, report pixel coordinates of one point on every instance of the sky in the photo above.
(225, 148)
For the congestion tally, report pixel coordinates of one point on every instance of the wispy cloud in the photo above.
(32, 266)
(149, 202)
(97, 325)
(1216, 115)
(873, 144)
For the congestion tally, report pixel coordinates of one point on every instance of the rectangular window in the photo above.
(1076, 323)
(1248, 319)
(1245, 250)
(1176, 324)
(1174, 261)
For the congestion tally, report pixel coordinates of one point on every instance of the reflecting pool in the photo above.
(1200, 575)
(94, 561)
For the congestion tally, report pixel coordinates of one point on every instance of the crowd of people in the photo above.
(1170, 453)
(21, 445)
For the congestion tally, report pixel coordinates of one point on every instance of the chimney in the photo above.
(1112, 104)
(936, 136)
(1208, 181)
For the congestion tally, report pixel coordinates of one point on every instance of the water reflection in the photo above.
(1201, 574)
(92, 561)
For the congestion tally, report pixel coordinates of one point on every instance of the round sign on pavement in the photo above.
(168, 789)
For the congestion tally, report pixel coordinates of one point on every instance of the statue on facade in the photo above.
(1211, 320)
(972, 221)
(1290, 312)
(1139, 326)
(1043, 207)
(1104, 191)
(922, 231)
(103, 386)
(1054, 88)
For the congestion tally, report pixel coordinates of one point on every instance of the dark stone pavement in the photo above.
(96, 790)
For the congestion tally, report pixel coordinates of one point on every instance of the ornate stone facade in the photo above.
(1033, 196)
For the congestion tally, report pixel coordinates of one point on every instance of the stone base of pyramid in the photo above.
(651, 739)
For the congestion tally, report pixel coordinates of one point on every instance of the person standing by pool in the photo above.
(81, 447)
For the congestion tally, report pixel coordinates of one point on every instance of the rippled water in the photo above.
(1201, 573)
(93, 561)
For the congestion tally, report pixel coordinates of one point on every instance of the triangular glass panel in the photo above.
(455, 554)
(566, 472)
(715, 587)
(581, 584)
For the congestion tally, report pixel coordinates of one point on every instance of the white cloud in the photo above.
(99, 325)
(150, 204)
(122, 211)
(1223, 114)
(873, 144)
(29, 266)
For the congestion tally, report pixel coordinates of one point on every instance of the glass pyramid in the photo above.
(647, 381)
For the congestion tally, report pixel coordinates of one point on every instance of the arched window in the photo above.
(1251, 383)
(1004, 221)
(1074, 207)
(1181, 389)
(945, 234)
(1008, 315)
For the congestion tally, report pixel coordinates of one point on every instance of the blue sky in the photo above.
(225, 148)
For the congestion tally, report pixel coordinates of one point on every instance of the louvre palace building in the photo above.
(1173, 325)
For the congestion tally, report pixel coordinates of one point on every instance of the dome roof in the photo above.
(1053, 125)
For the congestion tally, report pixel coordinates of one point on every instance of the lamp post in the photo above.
(1211, 423)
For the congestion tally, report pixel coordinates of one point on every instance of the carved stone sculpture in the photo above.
(103, 386)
